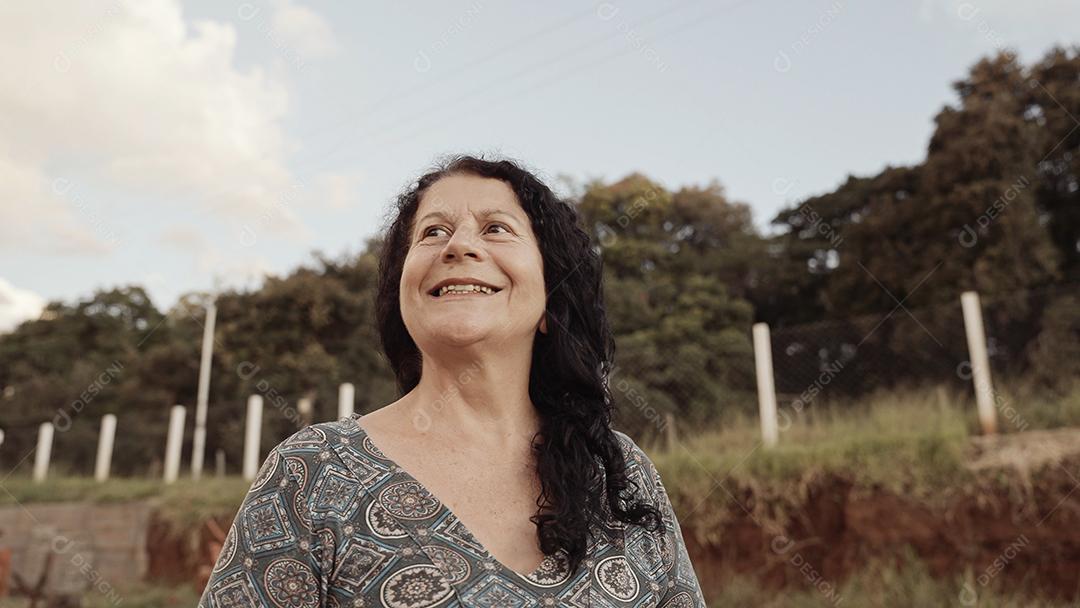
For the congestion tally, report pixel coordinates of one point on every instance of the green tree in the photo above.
(675, 265)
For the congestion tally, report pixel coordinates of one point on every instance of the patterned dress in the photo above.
(330, 521)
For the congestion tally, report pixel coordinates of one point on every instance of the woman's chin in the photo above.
(463, 334)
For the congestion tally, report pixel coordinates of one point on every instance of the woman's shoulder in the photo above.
(321, 435)
(334, 448)
(639, 466)
(633, 453)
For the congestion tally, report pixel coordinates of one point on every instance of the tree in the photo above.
(674, 266)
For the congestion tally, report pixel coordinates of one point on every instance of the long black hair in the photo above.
(579, 452)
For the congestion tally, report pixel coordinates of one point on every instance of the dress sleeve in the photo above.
(679, 586)
(275, 553)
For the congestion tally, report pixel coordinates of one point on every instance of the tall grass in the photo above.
(883, 584)
(185, 503)
(912, 442)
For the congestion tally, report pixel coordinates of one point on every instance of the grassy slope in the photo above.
(913, 442)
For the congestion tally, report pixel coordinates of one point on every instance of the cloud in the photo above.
(35, 218)
(184, 238)
(129, 99)
(1007, 15)
(17, 305)
(336, 190)
(233, 271)
(303, 29)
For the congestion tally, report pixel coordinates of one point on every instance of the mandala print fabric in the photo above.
(330, 521)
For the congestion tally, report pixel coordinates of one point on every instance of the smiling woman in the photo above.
(496, 478)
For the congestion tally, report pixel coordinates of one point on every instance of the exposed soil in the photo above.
(175, 555)
(1018, 525)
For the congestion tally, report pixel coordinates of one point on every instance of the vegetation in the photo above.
(136, 596)
(879, 585)
(993, 207)
(914, 442)
(882, 585)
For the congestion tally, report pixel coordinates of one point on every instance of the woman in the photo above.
(496, 479)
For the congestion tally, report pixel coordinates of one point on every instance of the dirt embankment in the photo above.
(1017, 524)
(176, 555)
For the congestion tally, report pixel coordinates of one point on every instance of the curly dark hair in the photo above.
(570, 363)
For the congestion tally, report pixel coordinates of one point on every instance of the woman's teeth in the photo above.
(464, 289)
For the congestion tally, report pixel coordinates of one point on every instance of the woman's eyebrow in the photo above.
(480, 213)
(490, 212)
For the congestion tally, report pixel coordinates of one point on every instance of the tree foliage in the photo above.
(994, 207)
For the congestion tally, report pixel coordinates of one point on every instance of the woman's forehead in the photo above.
(458, 195)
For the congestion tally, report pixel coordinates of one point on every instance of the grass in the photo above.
(883, 585)
(912, 442)
(885, 440)
(878, 585)
(136, 596)
(185, 503)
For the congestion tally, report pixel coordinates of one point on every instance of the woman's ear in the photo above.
(543, 323)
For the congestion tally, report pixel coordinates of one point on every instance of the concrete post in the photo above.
(980, 361)
(106, 439)
(252, 436)
(766, 385)
(174, 443)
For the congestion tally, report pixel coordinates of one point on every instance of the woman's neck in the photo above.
(481, 401)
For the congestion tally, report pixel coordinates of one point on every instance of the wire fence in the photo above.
(928, 346)
(1032, 339)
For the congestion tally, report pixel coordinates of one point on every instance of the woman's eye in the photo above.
(428, 231)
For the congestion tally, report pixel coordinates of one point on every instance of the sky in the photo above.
(188, 146)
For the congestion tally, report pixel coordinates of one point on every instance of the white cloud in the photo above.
(303, 29)
(1021, 18)
(128, 98)
(34, 217)
(233, 271)
(184, 238)
(337, 190)
(17, 305)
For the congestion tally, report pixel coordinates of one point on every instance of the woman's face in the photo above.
(472, 230)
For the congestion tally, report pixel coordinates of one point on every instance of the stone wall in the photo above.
(94, 547)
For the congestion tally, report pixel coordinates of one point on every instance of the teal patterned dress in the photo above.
(330, 521)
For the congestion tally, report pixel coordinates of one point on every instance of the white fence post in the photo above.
(105, 447)
(174, 442)
(346, 393)
(766, 385)
(305, 407)
(980, 362)
(198, 440)
(44, 450)
(252, 436)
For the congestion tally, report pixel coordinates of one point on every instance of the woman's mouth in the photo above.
(457, 291)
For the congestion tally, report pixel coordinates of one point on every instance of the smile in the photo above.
(454, 291)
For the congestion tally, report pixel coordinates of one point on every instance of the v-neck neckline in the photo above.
(405, 475)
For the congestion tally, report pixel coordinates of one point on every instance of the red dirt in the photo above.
(1029, 525)
(183, 556)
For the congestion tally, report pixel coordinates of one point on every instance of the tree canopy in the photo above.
(995, 207)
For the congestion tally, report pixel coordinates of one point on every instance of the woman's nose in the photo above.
(461, 244)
